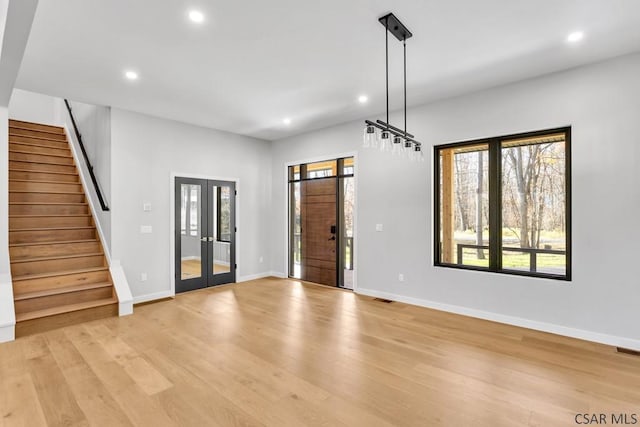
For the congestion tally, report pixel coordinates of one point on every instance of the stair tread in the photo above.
(29, 144)
(41, 181)
(64, 156)
(32, 171)
(48, 203)
(36, 137)
(58, 273)
(52, 258)
(48, 216)
(21, 317)
(57, 291)
(40, 163)
(59, 242)
(80, 227)
(12, 126)
(46, 192)
(60, 128)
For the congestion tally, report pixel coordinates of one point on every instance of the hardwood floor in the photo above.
(191, 268)
(283, 353)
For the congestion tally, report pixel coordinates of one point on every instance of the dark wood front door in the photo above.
(318, 199)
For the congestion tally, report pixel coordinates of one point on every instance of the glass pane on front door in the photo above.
(221, 229)
(190, 231)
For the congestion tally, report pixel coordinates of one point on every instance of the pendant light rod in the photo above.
(392, 130)
(404, 49)
(386, 52)
(404, 132)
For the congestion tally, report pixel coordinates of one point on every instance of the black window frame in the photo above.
(495, 204)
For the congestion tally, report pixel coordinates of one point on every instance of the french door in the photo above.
(205, 233)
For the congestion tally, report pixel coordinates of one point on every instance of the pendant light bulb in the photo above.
(369, 137)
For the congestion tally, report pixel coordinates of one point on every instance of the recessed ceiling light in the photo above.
(286, 121)
(196, 16)
(576, 36)
(131, 75)
(362, 99)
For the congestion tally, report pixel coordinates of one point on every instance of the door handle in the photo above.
(203, 239)
(210, 239)
(332, 238)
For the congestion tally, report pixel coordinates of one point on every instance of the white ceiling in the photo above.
(254, 62)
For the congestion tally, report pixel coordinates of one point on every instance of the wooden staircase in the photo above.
(60, 274)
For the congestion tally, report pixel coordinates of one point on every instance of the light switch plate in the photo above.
(146, 229)
(146, 207)
(379, 227)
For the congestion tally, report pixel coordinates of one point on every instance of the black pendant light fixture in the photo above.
(381, 134)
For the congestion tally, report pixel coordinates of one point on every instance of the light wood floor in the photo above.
(191, 268)
(281, 353)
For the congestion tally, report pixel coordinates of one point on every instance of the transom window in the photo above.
(503, 204)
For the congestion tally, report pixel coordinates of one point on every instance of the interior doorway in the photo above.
(321, 222)
(205, 233)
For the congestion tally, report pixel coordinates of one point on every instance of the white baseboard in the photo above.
(278, 275)
(597, 337)
(151, 297)
(253, 277)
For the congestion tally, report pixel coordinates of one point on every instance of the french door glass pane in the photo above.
(190, 218)
(533, 204)
(464, 205)
(221, 205)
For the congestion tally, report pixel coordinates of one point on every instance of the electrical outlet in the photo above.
(379, 227)
(143, 277)
(401, 277)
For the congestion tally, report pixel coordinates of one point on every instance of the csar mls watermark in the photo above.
(620, 419)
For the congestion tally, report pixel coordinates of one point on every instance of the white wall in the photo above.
(145, 152)
(36, 108)
(602, 104)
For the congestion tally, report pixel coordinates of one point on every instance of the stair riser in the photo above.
(38, 141)
(46, 198)
(49, 221)
(37, 133)
(43, 176)
(52, 266)
(40, 158)
(33, 304)
(60, 249)
(36, 126)
(50, 235)
(42, 167)
(67, 319)
(55, 282)
(44, 187)
(48, 209)
(34, 149)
